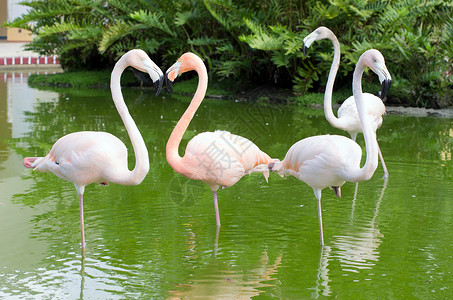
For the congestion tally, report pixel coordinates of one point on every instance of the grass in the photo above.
(85, 79)
(216, 89)
(101, 79)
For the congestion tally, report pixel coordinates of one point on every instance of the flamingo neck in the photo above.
(173, 158)
(367, 171)
(331, 118)
(141, 168)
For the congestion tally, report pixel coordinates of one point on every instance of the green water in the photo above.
(384, 240)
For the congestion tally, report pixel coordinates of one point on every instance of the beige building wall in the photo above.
(18, 35)
(9, 10)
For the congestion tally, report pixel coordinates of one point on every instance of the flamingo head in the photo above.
(375, 61)
(187, 62)
(139, 60)
(318, 34)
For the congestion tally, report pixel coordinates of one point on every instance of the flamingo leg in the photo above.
(216, 207)
(318, 200)
(386, 172)
(82, 226)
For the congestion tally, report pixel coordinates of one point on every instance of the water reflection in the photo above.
(358, 248)
(82, 273)
(355, 250)
(446, 152)
(16, 100)
(223, 280)
(221, 276)
(322, 280)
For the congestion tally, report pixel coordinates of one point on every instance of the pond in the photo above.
(159, 240)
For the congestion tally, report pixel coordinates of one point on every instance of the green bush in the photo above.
(257, 41)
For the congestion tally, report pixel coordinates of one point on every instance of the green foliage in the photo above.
(308, 99)
(257, 41)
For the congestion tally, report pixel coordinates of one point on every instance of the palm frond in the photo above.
(260, 39)
(116, 32)
(154, 20)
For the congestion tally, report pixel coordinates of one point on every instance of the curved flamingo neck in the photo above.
(173, 158)
(331, 118)
(369, 134)
(141, 168)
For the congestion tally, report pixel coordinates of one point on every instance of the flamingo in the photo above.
(330, 160)
(217, 158)
(348, 117)
(99, 157)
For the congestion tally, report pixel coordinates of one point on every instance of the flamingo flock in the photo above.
(220, 158)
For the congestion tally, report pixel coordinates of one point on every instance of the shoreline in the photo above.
(407, 111)
(16, 70)
(420, 112)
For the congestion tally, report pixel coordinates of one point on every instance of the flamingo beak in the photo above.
(171, 74)
(159, 83)
(384, 77)
(156, 75)
(308, 40)
(168, 83)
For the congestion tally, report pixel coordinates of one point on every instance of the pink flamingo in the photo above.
(330, 160)
(99, 157)
(218, 158)
(348, 117)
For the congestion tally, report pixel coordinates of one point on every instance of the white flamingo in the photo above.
(348, 117)
(99, 157)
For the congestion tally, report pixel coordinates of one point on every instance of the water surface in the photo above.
(159, 240)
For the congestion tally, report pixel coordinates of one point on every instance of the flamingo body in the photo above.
(86, 157)
(321, 161)
(349, 117)
(220, 158)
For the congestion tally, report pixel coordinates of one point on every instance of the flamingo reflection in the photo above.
(221, 280)
(359, 250)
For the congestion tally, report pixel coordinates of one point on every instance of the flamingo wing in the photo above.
(349, 116)
(85, 157)
(220, 158)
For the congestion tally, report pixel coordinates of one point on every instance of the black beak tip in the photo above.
(158, 85)
(271, 166)
(168, 83)
(304, 49)
(386, 84)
